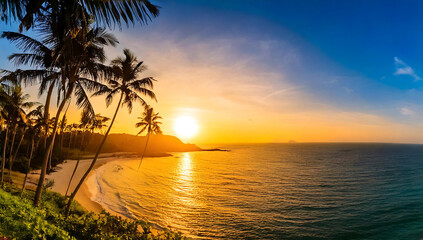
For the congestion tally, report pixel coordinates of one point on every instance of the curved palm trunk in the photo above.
(16, 152)
(145, 148)
(77, 163)
(4, 155)
(29, 166)
(72, 196)
(39, 190)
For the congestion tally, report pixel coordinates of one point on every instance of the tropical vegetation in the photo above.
(62, 51)
(20, 219)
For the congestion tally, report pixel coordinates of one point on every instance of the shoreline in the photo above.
(84, 196)
(62, 173)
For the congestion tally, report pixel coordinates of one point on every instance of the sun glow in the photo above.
(186, 127)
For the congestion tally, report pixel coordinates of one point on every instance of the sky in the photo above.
(276, 71)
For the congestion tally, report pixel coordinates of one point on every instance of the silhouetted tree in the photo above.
(149, 122)
(124, 81)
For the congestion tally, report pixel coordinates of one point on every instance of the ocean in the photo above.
(274, 191)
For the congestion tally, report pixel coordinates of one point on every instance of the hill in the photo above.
(158, 145)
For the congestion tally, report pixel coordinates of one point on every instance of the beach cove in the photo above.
(268, 191)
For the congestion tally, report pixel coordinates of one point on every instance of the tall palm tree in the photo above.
(16, 107)
(4, 99)
(38, 54)
(35, 124)
(65, 25)
(124, 81)
(33, 131)
(83, 56)
(86, 121)
(23, 128)
(149, 122)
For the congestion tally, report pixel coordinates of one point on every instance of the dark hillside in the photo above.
(158, 145)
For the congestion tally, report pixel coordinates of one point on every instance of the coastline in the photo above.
(84, 196)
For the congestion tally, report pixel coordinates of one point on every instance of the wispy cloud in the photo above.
(401, 68)
(407, 111)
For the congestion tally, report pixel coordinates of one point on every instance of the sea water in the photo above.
(274, 191)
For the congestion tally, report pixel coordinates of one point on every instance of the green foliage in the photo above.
(103, 226)
(20, 220)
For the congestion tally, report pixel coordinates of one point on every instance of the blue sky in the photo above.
(353, 61)
(351, 44)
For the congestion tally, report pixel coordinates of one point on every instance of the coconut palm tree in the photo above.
(99, 123)
(83, 56)
(38, 54)
(4, 117)
(124, 81)
(16, 107)
(65, 25)
(149, 122)
(35, 125)
(86, 122)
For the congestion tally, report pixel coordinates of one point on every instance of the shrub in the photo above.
(20, 220)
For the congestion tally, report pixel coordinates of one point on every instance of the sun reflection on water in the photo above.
(185, 171)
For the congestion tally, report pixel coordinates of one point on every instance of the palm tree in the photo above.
(3, 162)
(24, 128)
(83, 57)
(149, 122)
(65, 25)
(124, 81)
(4, 99)
(108, 12)
(99, 123)
(36, 122)
(86, 121)
(16, 107)
(32, 130)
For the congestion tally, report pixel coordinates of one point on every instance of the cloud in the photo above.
(406, 111)
(401, 68)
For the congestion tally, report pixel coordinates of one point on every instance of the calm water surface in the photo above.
(275, 191)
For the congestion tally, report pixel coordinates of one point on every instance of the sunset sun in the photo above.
(185, 127)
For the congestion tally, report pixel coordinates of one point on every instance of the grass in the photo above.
(19, 219)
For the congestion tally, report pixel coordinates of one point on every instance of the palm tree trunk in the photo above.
(49, 160)
(39, 190)
(29, 166)
(69, 144)
(145, 148)
(4, 155)
(62, 127)
(16, 152)
(72, 196)
(47, 112)
(77, 163)
(11, 150)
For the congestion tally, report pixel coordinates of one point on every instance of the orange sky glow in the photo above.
(234, 102)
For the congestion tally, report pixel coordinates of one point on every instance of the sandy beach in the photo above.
(62, 175)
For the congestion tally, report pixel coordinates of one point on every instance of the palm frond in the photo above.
(83, 101)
